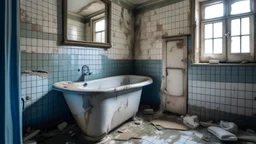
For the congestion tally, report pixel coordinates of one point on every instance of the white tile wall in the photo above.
(237, 98)
(76, 30)
(122, 33)
(40, 13)
(40, 46)
(170, 20)
(44, 16)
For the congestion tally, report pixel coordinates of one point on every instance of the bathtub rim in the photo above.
(60, 87)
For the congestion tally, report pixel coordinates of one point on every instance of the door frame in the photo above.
(164, 69)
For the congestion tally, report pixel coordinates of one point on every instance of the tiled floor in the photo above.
(148, 133)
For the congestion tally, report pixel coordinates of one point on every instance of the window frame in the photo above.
(238, 57)
(226, 55)
(205, 4)
(93, 22)
(205, 56)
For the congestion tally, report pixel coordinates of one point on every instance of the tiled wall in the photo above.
(41, 27)
(153, 69)
(214, 92)
(167, 18)
(122, 32)
(227, 89)
(223, 92)
(76, 30)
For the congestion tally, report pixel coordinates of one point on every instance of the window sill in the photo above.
(223, 64)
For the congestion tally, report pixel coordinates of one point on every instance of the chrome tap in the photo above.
(85, 72)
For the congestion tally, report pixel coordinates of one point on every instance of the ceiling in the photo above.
(136, 2)
(85, 7)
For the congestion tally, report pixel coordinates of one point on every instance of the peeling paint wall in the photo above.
(136, 49)
(169, 20)
(40, 38)
(122, 32)
(42, 20)
(216, 93)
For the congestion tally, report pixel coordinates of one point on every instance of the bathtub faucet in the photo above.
(85, 72)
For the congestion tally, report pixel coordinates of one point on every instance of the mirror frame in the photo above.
(92, 44)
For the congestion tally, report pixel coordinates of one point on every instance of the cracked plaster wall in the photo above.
(43, 17)
(151, 25)
(40, 38)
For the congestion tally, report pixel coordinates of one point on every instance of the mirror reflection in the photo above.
(86, 20)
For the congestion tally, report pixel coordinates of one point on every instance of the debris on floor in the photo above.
(191, 121)
(228, 131)
(247, 138)
(169, 125)
(195, 133)
(229, 126)
(222, 134)
(30, 135)
(248, 135)
(148, 111)
(127, 136)
(62, 126)
(71, 133)
(206, 138)
(250, 131)
(30, 142)
(69, 143)
(159, 128)
(60, 129)
(138, 122)
(121, 130)
(207, 124)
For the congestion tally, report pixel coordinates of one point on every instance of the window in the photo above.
(99, 30)
(226, 30)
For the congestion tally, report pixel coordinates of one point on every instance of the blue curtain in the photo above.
(10, 119)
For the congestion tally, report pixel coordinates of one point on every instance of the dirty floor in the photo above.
(148, 133)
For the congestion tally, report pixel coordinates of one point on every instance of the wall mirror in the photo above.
(87, 23)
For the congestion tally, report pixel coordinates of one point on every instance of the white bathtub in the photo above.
(104, 103)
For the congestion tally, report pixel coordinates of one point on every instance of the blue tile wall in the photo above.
(218, 74)
(52, 108)
(40, 51)
(41, 48)
(231, 95)
(232, 74)
(153, 69)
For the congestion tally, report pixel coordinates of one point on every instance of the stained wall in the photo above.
(41, 48)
